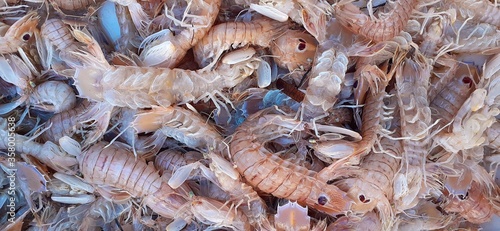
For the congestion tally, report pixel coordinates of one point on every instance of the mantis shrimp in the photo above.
(274, 175)
(412, 79)
(372, 183)
(110, 165)
(476, 114)
(382, 29)
(447, 102)
(142, 87)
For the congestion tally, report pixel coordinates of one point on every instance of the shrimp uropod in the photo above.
(327, 76)
(269, 173)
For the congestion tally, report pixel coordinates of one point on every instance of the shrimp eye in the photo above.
(363, 199)
(26, 37)
(467, 80)
(302, 45)
(322, 200)
(355, 85)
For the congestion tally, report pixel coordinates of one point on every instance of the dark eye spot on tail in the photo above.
(363, 199)
(467, 80)
(302, 45)
(322, 200)
(26, 37)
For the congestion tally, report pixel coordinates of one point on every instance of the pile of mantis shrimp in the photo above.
(249, 115)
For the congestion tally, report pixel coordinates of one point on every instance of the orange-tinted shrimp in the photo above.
(228, 35)
(271, 174)
(475, 206)
(294, 50)
(117, 167)
(383, 29)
